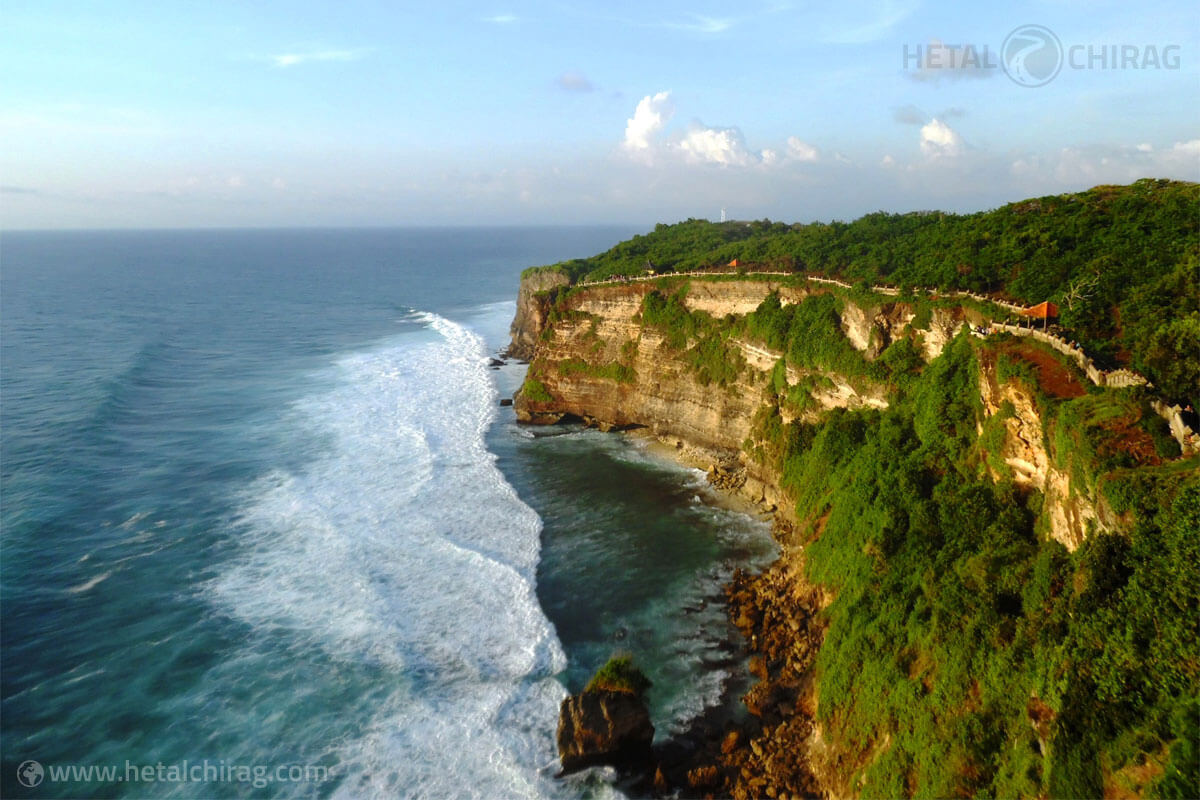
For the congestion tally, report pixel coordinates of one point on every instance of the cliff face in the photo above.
(532, 309)
(593, 359)
(613, 357)
(602, 328)
(1070, 511)
(598, 363)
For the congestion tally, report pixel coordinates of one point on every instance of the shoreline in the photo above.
(759, 734)
(683, 454)
(723, 750)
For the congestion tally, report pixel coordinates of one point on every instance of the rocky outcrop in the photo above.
(1068, 508)
(659, 389)
(602, 327)
(532, 309)
(604, 727)
(944, 325)
(599, 364)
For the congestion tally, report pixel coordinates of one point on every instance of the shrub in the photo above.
(619, 674)
(535, 390)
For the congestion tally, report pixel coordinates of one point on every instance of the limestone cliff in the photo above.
(614, 357)
(598, 363)
(593, 359)
(1070, 510)
(532, 308)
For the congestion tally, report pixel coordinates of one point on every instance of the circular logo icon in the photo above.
(1031, 55)
(30, 773)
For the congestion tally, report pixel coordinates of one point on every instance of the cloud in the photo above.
(798, 150)
(574, 81)
(649, 118)
(1090, 165)
(1188, 149)
(701, 24)
(646, 141)
(5, 189)
(284, 60)
(724, 146)
(939, 140)
(938, 61)
(501, 19)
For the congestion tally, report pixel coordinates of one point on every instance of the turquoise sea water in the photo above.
(261, 509)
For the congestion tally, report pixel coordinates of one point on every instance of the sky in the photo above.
(210, 114)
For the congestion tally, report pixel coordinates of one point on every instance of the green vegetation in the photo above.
(1121, 261)
(619, 674)
(614, 371)
(809, 332)
(966, 655)
(967, 652)
(535, 390)
(713, 359)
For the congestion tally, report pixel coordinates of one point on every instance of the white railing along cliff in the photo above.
(1188, 439)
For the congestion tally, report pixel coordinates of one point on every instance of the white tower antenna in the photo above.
(722, 213)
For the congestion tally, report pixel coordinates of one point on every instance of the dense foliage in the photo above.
(619, 674)
(969, 653)
(966, 654)
(1121, 261)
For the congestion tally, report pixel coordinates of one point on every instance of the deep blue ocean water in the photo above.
(260, 508)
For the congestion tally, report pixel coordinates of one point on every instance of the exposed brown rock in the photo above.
(531, 312)
(603, 727)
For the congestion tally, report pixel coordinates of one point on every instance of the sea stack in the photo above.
(608, 722)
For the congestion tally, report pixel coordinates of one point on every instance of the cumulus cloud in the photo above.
(723, 146)
(798, 150)
(939, 140)
(652, 114)
(501, 19)
(574, 81)
(647, 140)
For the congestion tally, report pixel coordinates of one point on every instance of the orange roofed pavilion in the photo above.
(1046, 310)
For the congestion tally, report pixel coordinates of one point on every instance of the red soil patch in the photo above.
(1126, 436)
(1053, 376)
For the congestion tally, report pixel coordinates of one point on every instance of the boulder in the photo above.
(603, 727)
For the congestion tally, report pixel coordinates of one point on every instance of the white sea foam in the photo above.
(401, 546)
(89, 583)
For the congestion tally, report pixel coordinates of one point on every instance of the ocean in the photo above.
(267, 532)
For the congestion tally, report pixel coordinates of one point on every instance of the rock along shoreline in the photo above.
(762, 754)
